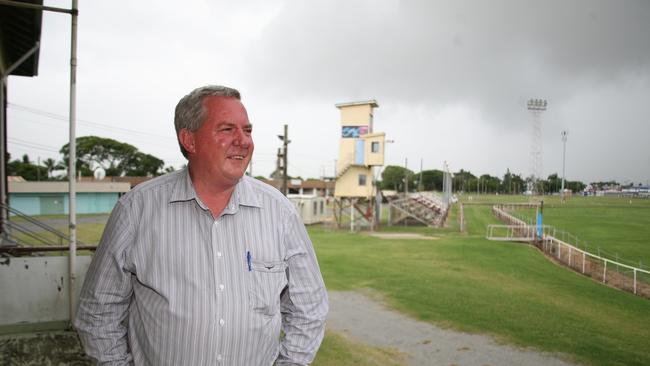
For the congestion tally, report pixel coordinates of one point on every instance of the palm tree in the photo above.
(50, 164)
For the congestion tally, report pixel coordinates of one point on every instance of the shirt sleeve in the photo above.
(106, 294)
(304, 303)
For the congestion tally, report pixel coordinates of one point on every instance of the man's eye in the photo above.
(248, 131)
(226, 129)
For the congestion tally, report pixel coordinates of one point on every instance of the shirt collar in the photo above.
(243, 195)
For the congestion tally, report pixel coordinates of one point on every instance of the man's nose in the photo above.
(242, 137)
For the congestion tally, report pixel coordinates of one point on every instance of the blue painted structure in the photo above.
(51, 198)
(57, 203)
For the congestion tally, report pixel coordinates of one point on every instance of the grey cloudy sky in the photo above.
(451, 77)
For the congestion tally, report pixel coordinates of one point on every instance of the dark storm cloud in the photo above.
(492, 53)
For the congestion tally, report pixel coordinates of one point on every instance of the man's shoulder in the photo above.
(163, 184)
(266, 192)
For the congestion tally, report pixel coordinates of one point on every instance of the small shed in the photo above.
(311, 208)
(51, 198)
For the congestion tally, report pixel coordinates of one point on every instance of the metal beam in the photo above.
(19, 4)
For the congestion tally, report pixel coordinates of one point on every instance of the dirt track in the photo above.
(367, 321)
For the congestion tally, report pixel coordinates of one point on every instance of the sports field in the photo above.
(507, 290)
(610, 226)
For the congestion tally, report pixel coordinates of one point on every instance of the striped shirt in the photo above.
(171, 285)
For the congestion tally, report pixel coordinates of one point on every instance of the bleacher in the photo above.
(427, 209)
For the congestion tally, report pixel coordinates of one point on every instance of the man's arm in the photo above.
(106, 293)
(304, 303)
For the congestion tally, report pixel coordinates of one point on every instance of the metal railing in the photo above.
(614, 273)
(21, 231)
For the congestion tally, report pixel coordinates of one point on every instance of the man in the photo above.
(204, 266)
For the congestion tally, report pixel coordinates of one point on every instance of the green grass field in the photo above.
(507, 290)
(614, 227)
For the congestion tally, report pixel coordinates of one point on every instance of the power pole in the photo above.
(420, 184)
(285, 159)
(406, 176)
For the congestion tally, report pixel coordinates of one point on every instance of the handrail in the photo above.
(547, 239)
(13, 225)
(33, 221)
(30, 233)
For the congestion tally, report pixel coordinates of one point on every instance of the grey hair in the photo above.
(190, 111)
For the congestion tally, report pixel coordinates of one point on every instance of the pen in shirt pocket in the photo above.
(248, 260)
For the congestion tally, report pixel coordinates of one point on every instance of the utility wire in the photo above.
(63, 118)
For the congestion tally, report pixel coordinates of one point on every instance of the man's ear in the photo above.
(186, 137)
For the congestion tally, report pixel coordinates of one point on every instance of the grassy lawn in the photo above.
(337, 349)
(87, 233)
(506, 290)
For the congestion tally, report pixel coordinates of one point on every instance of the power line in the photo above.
(33, 145)
(82, 121)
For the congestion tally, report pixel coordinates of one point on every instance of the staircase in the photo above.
(427, 210)
(23, 233)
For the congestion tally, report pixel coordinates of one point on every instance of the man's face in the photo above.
(223, 145)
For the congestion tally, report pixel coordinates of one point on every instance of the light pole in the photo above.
(536, 107)
(564, 136)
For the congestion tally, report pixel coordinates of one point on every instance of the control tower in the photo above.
(360, 150)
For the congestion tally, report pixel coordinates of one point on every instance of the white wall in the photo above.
(35, 289)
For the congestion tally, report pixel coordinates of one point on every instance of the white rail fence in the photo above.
(614, 273)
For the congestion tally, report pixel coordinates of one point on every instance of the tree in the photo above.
(116, 158)
(393, 177)
(52, 165)
(26, 169)
(462, 180)
(432, 180)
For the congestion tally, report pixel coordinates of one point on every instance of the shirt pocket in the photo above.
(267, 279)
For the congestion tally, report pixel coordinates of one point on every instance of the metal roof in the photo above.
(62, 187)
(20, 29)
(372, 102)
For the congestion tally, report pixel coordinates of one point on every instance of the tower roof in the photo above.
(372, 102)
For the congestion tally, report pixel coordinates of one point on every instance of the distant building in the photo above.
(312, 209)
(133, 181)
(360, 149)
(51, 198)
(312, 187)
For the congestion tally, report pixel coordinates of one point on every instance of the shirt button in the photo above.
(221, 287)
(219, 358)
(221, 322)
(219, 254)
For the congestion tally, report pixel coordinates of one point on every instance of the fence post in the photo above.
(559, 249)
(604, 271)
(635, 281)
(570, 251)
(584, 256)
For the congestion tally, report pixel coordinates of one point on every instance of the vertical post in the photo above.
(3, 158)
(564, 136)
(285, 160)
(635, 281)
(420, 184)
(352, 215)
(605, 271)
(71, 167)
(3, 133)
(570, 253)
(406, 177)
(584, 257)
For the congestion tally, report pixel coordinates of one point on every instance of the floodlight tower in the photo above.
(536, 107)
(564, 136)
